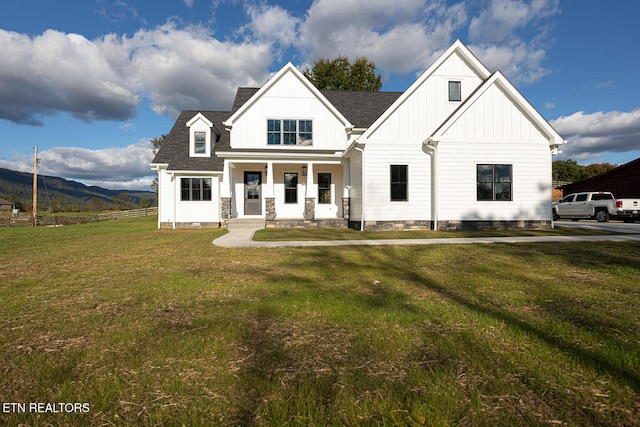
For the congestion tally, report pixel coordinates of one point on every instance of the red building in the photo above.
(623, 182)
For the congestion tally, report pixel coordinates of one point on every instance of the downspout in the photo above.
(362, 192)
(432, 145)
(175, 200)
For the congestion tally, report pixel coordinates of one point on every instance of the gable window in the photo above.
(200, 142)
(399, 183)
(289, 132)
(195, 189)
(494, 182)
(324, 188)
(455, 91)
(291, 188)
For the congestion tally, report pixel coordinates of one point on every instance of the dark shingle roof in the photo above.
(175, 148)
(360, 108)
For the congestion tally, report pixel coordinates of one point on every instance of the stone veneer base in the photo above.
(304, 223)
(191, 225)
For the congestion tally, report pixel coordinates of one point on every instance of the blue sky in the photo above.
(91, 81)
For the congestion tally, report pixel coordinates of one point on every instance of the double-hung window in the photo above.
(494, 182)
(399, 183)
(324, 188)
(289, 132)
(195, 189)
(291, 187)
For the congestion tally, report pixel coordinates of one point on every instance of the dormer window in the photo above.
(200, 139)
(455, 91)
(200, 142)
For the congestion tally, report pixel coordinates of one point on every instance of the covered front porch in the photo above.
(293, 192)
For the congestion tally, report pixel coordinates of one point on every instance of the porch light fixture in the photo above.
(304, 170)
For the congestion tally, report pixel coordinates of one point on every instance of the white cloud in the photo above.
(108, 168)
(187, 69)
(188, 3)
(503, 19)
(399, 38)
(590, 135)
(272, 24)
(54, 72)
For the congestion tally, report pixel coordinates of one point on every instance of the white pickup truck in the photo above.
(600, 205)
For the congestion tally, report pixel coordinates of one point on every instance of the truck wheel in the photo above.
(602, 216)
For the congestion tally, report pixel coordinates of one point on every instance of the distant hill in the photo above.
(51, 188)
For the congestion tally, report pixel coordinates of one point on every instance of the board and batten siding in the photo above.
(428, 105)
(355, 190)
(167, 197)
(288, 98)
(493, 130)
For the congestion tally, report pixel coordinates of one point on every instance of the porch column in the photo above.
(269, 195)
(225, 192)
(269, 191)
(310, 198)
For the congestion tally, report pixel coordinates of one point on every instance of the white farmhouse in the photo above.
(460, 149)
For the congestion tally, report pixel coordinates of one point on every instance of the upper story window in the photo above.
(455, 91)
(200, 136)
(289, 132)
(200, 142)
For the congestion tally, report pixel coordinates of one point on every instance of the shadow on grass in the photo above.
(274, 370)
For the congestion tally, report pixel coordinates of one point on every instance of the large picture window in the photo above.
(399, 183)
(494, 182)
(289, 132)
(291, 188)
(195, 189)
(324, 188)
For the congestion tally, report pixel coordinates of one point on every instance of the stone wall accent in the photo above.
(345, 208)
(303, 223)
(493, 225)
(191, 225)
(392, 225)
(309, 208)
(225, 207)
(270, 208)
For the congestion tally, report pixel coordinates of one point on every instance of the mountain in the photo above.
(51, 188)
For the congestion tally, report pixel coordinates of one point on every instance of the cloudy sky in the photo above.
(91, 81)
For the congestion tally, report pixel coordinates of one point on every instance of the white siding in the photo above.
(428, 106)
(288, 210)
(288, 98)
(494, 131)
(166, 197)
(355, 192)
(198, 211)
(378, 204)
(531, 188)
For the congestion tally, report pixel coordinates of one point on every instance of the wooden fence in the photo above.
(79, 218)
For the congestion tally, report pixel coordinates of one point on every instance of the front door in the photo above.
(252, 198)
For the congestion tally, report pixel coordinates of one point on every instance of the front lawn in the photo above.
(160, 327)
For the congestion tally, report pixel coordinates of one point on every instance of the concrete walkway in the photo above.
(240, 236)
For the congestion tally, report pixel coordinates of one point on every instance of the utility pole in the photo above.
(34, 215)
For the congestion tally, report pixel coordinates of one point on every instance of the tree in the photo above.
(156, 143)
(566, 170)
(341, 74)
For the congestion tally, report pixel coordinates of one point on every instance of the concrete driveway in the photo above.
(612, 226)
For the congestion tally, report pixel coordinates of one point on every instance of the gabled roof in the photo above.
(498, 79)
(175, 148)
(289, 68)
(456, 48)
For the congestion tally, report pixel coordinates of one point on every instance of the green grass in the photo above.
(160, 327)
(302, 234)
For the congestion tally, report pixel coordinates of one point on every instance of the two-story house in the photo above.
(460, 148)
